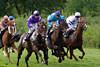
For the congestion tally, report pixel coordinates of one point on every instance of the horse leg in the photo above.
(37, 57)
(46, 55)
(71, 54)
(67, 53)
(60, 55)
(39, 54)
(4, 52)
(20, 49)
(83, 53)
(27, 57)
(14, 47)
(75, 57)
(8, 54)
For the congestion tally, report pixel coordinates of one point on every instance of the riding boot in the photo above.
(28, 36)
(48, 32)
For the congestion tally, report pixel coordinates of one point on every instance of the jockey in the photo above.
(54, 17)
(72, 22)
(11, 19)
(4, 22)
(3, 27)
(32, 23)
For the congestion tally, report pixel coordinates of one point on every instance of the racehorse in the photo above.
(11, 30)
(36, 43)
(56, 39)
(75, 39)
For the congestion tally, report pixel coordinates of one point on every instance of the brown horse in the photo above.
(56, 39)
(7, 36)
(34, 45)
(75, 39)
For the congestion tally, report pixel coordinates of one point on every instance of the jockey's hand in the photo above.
(73, 29)
(37, 22)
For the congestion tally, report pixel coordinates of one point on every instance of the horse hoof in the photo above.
(13, 51)
(76, 59)
(5, 55)
(46, 63)
(63, 58)
(80, 57)
(9, 62)
(71, 58)
(53, 53)
(68, 57)
(59, 60)
(43, 62)
(37, 62)
(17, 64)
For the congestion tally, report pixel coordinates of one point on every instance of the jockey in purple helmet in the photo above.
(54, 17)
(32, 23)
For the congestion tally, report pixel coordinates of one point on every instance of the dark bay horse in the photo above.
(34, 45)
(75, 39)
(56, 39)
(7, 36)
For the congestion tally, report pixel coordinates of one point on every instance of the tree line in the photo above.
(67, 7)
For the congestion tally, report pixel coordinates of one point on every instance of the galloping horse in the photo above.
(75, 39)
(56, 39)
(35, 44)
(7, 36)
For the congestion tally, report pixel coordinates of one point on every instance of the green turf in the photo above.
(91, 59)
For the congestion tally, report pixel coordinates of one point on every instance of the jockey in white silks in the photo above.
(72, 22)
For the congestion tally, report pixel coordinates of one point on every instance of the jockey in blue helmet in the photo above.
(32, 23)
(11, 17)
(54, 17)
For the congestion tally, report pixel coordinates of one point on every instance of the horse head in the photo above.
(11, 28)
(82, 24)
(42, 29)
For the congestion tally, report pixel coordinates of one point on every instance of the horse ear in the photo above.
(45, 23)
(39, 23)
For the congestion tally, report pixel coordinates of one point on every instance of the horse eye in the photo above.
(44, 27)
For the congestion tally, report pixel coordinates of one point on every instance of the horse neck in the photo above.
(58, 30)
(79, 32)
(7, 35)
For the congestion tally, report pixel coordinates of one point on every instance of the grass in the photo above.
(91, 59)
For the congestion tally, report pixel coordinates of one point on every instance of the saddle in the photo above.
(68, 33)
